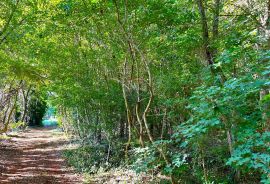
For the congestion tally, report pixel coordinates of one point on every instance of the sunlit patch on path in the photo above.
(34, 157)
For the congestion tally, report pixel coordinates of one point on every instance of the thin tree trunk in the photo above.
(138, 105)
(146, 111)
(205, 33)
(216, 24)
(7, 118)
(163, 124)
(128, 112)
(25, 101)
(141, 125)
(205, 173)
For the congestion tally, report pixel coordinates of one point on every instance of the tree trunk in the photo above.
(25, 103)
(128, 112)
(205, 33)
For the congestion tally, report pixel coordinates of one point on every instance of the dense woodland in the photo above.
(176, 87)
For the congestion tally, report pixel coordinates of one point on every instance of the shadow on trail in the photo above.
(35, 158)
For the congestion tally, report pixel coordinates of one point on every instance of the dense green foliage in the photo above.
(37, 109)
(176, 87)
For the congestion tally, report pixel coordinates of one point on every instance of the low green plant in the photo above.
(93, 158)
(17, 125)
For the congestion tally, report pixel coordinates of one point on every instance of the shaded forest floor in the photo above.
(34, 156)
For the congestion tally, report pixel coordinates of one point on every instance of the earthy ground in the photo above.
(34, 157)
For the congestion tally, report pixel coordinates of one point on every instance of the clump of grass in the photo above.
(4, 137)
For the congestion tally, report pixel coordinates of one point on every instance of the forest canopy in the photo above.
(177, 87)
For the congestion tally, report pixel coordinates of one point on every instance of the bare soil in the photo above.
(34, 157)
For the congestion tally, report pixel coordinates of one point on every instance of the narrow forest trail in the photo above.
(34, 157)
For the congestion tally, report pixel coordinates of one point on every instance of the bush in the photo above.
(92, 158)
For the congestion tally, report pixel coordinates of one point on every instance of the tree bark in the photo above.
(205, 33)
(128, 111)
(25, 103)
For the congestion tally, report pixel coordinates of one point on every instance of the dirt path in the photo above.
(34, 157)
